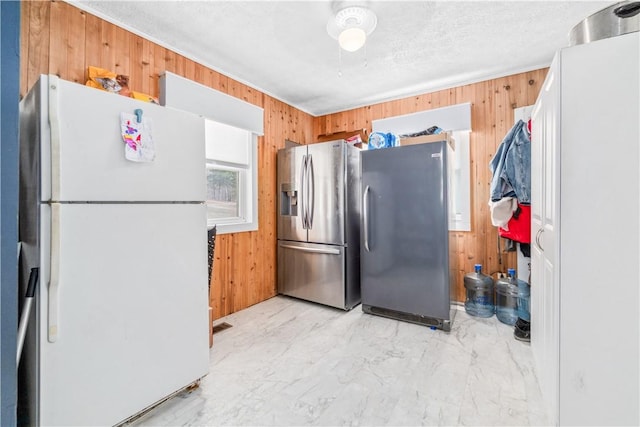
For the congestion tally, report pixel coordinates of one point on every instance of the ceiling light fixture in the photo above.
(351, 26)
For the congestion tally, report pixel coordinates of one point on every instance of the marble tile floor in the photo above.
(287, 362)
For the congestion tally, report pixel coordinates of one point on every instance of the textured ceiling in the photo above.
(282, 47)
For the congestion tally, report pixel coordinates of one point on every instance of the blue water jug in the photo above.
(507, 294)
(524, 298)
(479, 290)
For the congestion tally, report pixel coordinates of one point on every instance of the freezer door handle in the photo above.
(365, 217)
(312, 192)
(54, 282)
(313, 250)
(303, 195)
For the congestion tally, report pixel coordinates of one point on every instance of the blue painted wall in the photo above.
(10, 96)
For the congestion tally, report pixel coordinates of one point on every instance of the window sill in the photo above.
(234, 228)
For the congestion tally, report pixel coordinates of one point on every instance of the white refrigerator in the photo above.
(121, 308)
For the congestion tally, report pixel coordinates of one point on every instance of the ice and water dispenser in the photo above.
(288, 200)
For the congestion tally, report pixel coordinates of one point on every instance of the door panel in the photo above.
(404, 251)
(88, 154)
(312, 272)
(327, 190)
(132, 309)
(292, 197)
(544, 214)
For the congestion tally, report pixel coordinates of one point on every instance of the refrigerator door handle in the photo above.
(365, 217)
(314, 250)
(55, 137)
(303, 195)
(54, 282)
(312, 192)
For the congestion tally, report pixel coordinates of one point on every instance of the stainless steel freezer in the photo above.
(405, 235)
(318, 223)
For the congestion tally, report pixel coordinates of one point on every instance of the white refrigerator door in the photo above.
(83, 154)
(131, 303)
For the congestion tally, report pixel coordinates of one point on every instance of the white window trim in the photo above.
(248, 220)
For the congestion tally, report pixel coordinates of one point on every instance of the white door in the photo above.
(599, 229)
(544, 205)
(85, 149)
(129, 314)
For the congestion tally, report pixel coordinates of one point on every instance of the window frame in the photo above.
(247, 219)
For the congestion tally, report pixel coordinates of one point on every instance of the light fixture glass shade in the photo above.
(352, 39)
(351, 26)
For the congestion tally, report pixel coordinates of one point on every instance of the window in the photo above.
(231, 178)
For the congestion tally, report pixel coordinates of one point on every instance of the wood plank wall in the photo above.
(492, 104)
(58, 38)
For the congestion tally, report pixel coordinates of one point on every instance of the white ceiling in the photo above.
(282, 47)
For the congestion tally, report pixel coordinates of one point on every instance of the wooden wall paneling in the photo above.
(275, 141)
(92, 41)
(170, 61)
(505, 101)
(25, 13)
(429, 101)
(233, 88)
(482, 236)
(519, 92)
(335, 125)
(350, 120)
(223, 82)
(59, 39)
(253, 283)
(221, 295)
(237, 280)
(180, 65)
(157, 67)
(199, 74)
(123, 52)
(136, 68)
(208, 77)
(107, 48)
(145, 59)
(408, 105)
(377, 112)
(190, 70)
(344, 123)
(495, 261)
(435, 100)
(252, 96)
(504, 114)
(450, 96)
(76, 70)
(266, 239)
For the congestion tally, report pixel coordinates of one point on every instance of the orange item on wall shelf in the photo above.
(144, 97)
(109, 81)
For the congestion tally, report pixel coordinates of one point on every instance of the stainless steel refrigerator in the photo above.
(319, 223)
(120, 313)
(405, 236)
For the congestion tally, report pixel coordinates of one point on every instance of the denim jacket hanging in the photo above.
(511, 166)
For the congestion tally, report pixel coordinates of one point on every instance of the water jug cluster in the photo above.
(508, 298)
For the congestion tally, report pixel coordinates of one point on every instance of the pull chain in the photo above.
(366, 64)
